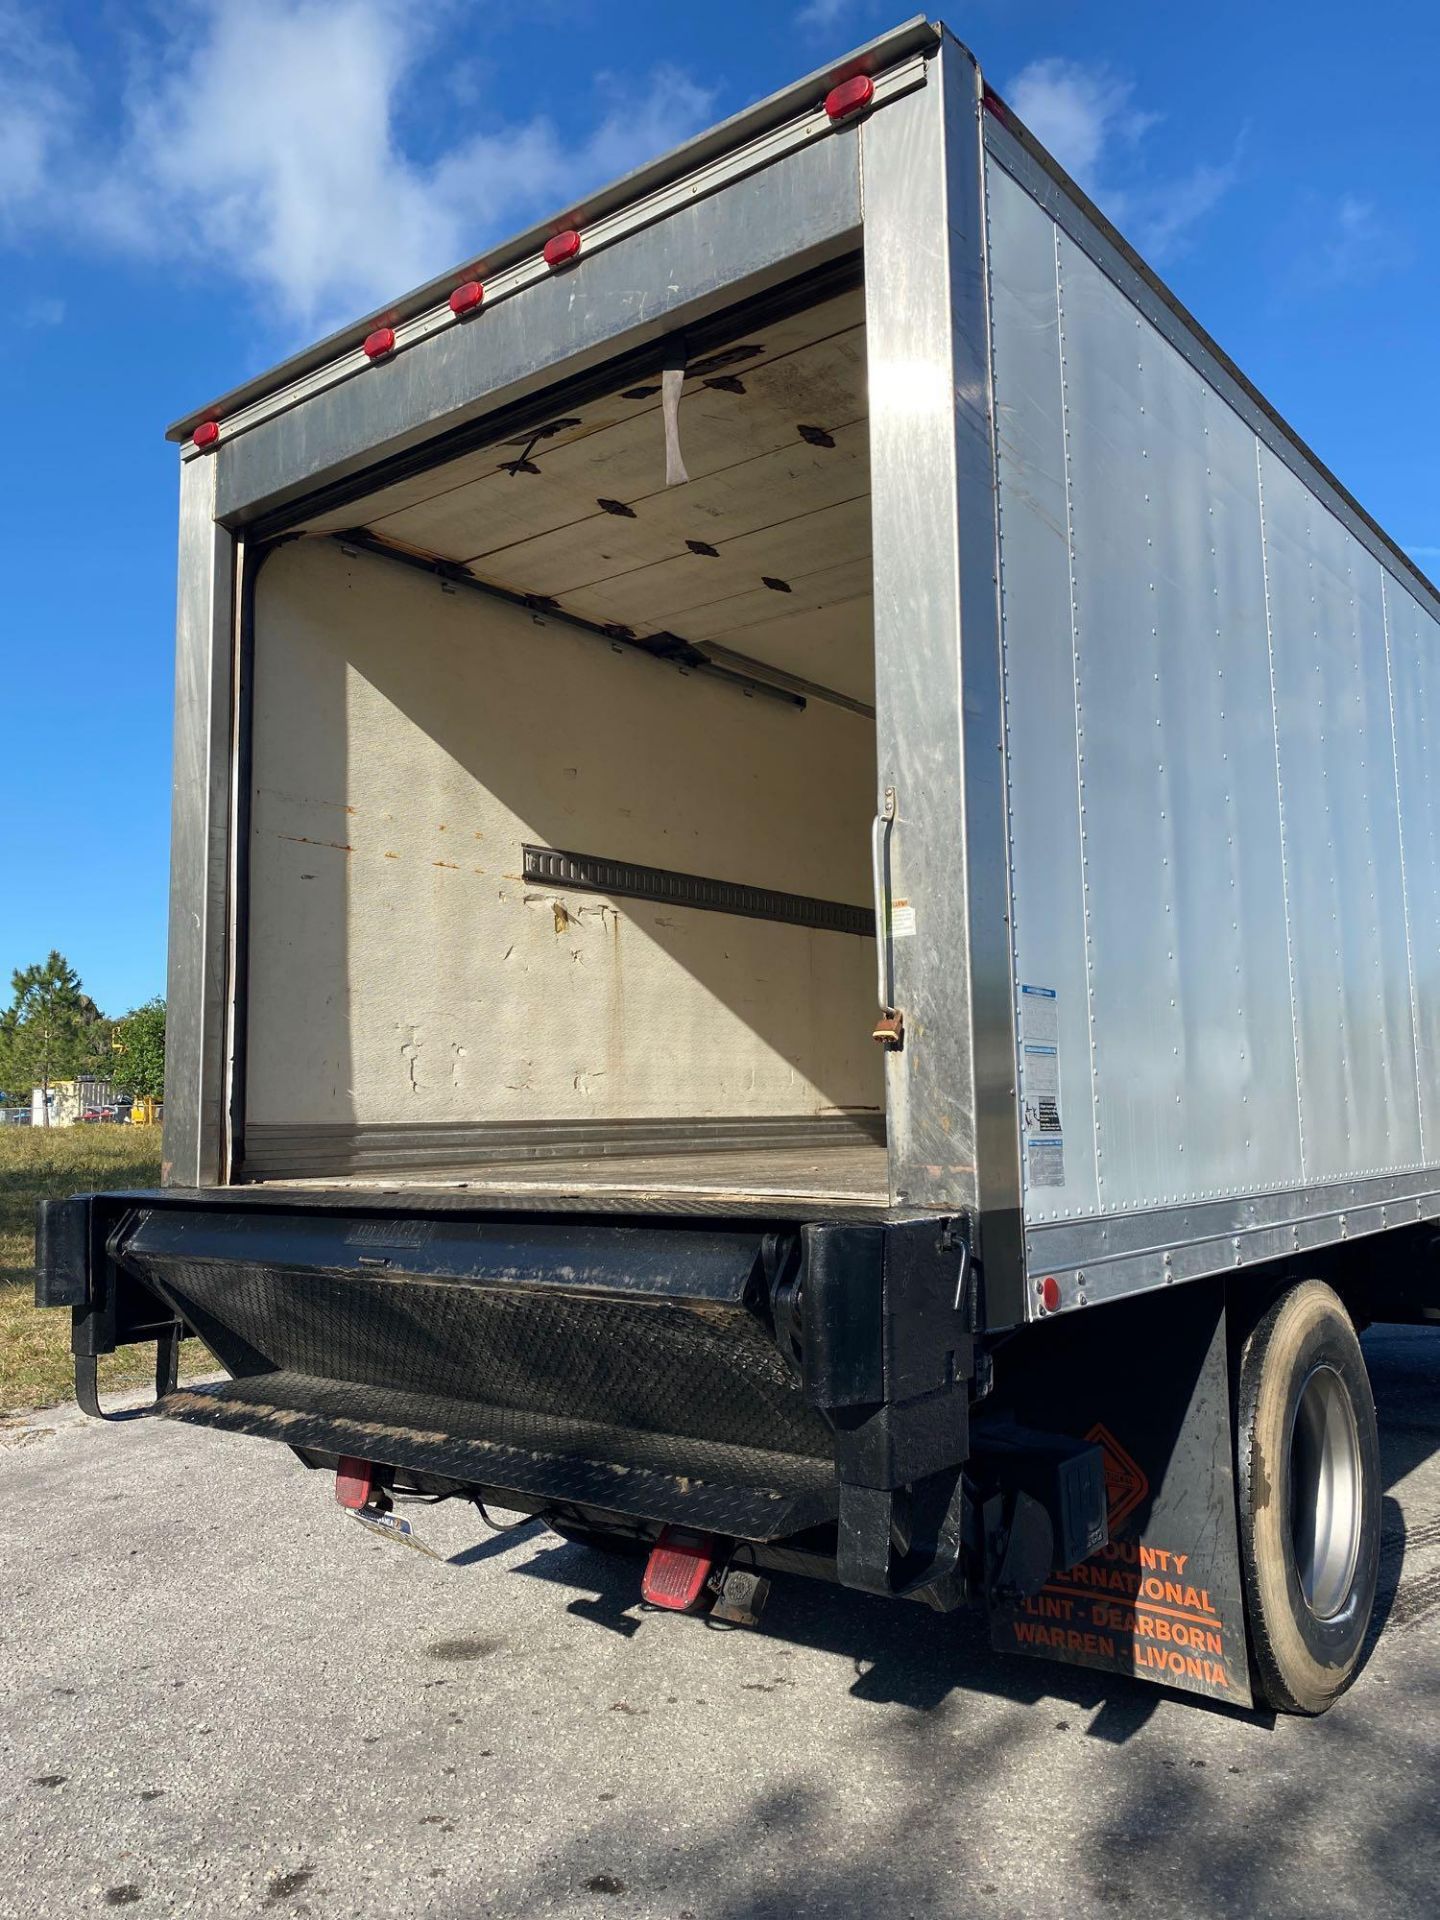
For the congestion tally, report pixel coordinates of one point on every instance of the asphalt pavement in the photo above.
(220, 1696)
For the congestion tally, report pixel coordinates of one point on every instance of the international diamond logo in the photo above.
(1125, 1484)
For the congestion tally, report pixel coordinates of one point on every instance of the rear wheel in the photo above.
(1309, 1498)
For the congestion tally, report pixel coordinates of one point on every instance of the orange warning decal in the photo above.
(1129, 1604)
(1125, 1484)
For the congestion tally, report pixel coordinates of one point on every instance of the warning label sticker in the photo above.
(1045, 1161)
(1040, 1016)
(1040, 1087)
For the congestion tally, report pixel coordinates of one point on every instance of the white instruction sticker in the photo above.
(1045, 1162)
(902, 920)
(1040, 1087)
(1040, 1016)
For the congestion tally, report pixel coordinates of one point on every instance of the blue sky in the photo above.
(191, 190)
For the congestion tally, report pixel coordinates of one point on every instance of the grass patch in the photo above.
(49, 1162)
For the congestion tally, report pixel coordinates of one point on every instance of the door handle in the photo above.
(889, 1028)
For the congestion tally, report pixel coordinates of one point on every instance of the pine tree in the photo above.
(51, 1030)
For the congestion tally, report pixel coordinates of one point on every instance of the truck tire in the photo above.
(1308, 1479)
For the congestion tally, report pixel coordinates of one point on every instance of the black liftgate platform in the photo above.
(758, 1381)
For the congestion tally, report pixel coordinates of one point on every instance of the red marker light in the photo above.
(206, 434)
(851, 96)
(377, 344)
(1050, 1293)
(678, 1571)
(562, 247)
(465, 299)
(994, 104)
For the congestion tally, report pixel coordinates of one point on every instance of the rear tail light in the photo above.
(354, 1483)
(377, 344)
(677, 1574)
(561, 247)
(850, 97)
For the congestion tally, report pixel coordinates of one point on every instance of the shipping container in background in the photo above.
(805, 911)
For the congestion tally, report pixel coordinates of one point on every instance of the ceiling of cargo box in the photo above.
(763, 552)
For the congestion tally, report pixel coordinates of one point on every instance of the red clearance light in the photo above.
(994, 104)
(678, 1570)
(465, 299)
(1050, 1293)
(850, 97)
(561, 247)
(206, 434)
(377, 344)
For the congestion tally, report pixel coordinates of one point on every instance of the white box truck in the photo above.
(806, 911)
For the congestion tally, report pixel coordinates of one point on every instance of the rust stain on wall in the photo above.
(300, 840)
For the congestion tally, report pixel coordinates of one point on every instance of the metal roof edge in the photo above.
(915, 35)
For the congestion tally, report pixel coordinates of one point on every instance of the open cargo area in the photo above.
(560, 798)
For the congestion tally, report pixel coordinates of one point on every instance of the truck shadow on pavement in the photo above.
(952, 1806)
(907, 1656)
(904, 1656)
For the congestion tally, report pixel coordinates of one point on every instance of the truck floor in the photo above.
(815, 1177)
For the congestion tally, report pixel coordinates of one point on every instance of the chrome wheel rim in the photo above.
(1325, 1492)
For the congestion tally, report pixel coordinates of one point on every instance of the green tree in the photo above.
(138, 1061)
(51, 1030)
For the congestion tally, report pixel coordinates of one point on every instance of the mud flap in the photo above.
(1148, 1381)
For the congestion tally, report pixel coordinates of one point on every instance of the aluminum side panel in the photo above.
(1145, 813)
(1220, 692)
(1342, 839)
(1413, 638)
(1193, 1047)
(1042, 747)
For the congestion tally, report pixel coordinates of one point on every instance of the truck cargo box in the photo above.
(806, 906)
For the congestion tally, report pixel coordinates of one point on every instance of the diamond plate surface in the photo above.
(650, 1365)
(741, 1491)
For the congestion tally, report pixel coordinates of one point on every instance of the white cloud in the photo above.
(35, 75)
(1162, 216)
(1359, 245)
(1078, 112)
(1086, 115)
(265, 142)
(42, 312)
(823, 15)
